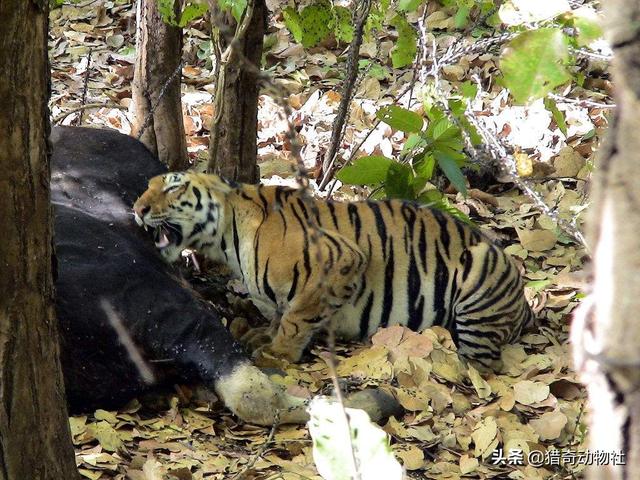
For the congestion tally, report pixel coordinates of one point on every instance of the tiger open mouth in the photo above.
(165, 237)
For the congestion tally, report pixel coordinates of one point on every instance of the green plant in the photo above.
(537, 61)
(317, 21)
(194, 9)
(436, 148)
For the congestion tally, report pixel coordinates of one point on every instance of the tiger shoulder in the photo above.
(359, 265)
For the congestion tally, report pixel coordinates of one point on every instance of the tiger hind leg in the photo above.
(491, 309)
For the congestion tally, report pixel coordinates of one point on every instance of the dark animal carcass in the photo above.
(114, 290)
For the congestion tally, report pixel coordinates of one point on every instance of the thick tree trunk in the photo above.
(159, 49)
(35, 441)
(233, 146)
(606, 331)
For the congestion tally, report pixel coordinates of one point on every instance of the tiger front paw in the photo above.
(265, 357)
(256, 338)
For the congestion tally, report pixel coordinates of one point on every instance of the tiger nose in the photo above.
(142, 211)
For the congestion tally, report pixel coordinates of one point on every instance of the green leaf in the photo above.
(462, 16)
(534, 63)
(293, 21)
(408, 5)
(204, 50)
(430, 196)
(376, 70)
(400, 118)
(414, 141)
(237, 7)
(417, 185)
(442, 130)
(398, 183)
(458, 108)
(342, 24)
(469, 89)
(589, 135)
(371, 170)
(316, 19)
(539, 285)
(166, 8)
(452, 171)
(454, 212)
(435, 199)
(451, 150)
(588, 29)
(558, 116)
(424, 167)
(191, 11)
(404, 51)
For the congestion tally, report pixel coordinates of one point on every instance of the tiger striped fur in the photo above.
(362, 265)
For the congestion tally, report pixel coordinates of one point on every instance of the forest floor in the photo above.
(455, 418)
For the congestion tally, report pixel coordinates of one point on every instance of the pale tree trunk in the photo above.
(35, 441)
(159, 49)
(606, 331)
(234, 129)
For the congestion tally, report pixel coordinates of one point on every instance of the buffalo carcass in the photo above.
(125, 318)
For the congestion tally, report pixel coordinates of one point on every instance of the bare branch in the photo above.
(87, 73)
(61, 116)
(361, 14)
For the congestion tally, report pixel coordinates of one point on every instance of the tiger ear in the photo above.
(222, 185)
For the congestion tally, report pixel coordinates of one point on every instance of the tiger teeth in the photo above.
(163, 241)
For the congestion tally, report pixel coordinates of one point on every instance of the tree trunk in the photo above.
(159, 50)
(233, 146)
(606, 330)
(35, 441)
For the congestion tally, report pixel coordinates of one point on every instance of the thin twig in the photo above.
(87, 73)
(316, 231)
(61, 116)
(581, 102)
(263, 448)
(497, 151)
(163, 90)
(583, 52)
(361, 14)
(329, 358)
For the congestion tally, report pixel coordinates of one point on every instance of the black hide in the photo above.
(102, 254)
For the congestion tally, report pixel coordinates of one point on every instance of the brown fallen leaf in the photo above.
(402, 342)
(549, 426)
(537, 240)
(527, 392)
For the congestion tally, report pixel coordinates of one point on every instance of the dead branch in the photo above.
(361, 14)
(261, 451)
(61, 116)
(87, 73)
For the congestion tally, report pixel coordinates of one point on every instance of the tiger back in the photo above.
(360, 265)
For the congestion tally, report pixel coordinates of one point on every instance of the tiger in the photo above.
(358, 265)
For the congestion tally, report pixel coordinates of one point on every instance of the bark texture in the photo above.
(234, 129)
(159, 49)
(606, 331)
(35, 441)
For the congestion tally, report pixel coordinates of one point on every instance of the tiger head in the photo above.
(184, 209)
